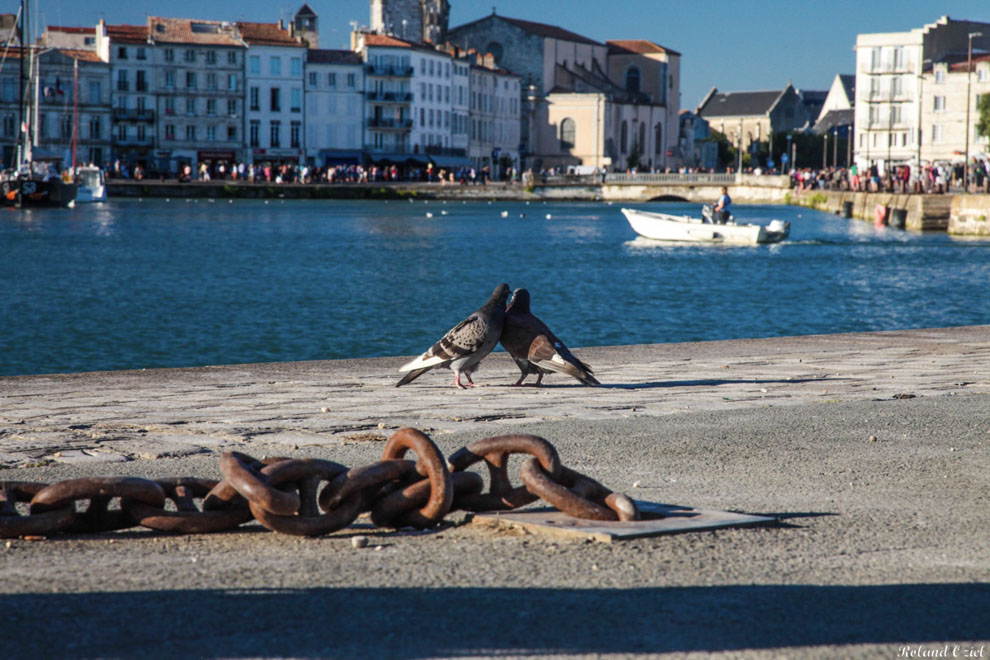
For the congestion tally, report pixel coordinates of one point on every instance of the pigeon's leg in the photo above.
(539, 379)
(457, 381)
(520, 381)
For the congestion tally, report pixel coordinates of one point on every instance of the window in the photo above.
(275, 65)
(295, 132)
(232, 107)
(95, 91)
(211, 80)
(939, 103)
(189, 55)
(641, 146)
(295, 66)
(899, 57)
(142, 54)
(191, 133)
(142, 132)
(940, 75)
(122, 80)
(255, 130)
(141, 84)
(295, 100)
(255, 103)
(275, 134)
(122, 132)
(211, 57)
(190, 79)
(169, 55)
(568, 128)
(211, 107)
(275, 99)
(191, 106)
(66, 127)
(95, 128)
(231, 57)
(254, 64)
(313, 79)
(232, 82)
(122, 53)
(170, 79)
(169, 105)
(142, 105)
(331, 80)
(231, 133)
(875, 59)
(936, 133)
(169, 131)
(211, 133)
(624, 137)
(632, 80)
(351, 80)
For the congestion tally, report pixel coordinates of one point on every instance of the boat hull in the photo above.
(679, 228)
(32, 192)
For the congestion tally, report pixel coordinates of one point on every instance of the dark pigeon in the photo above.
(535, 348)
(466, 344)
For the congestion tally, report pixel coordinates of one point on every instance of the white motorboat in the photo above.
(683, 228)
(92, 184)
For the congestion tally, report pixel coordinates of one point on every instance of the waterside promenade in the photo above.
(872, 449)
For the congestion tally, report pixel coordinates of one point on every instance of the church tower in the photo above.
(305, 24)
(412, 20)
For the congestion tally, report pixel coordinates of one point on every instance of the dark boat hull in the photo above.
(32, 192)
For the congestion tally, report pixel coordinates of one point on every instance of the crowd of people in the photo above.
(933, 178)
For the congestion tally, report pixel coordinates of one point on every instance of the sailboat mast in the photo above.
(75, 111)
(21, 119)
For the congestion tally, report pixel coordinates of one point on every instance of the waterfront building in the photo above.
(493, 117)
(460, 100)
(836, 118)
(748, 118)
(128, 51)
(274, 82)
(572, 112)
(901, 112)
(334, 107)
(73, 107)
(76, 38)
(695, 146)
(946, 87)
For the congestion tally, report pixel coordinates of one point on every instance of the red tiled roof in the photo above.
(637, 46)
(191, 31)
(266, 34)
(71, 30)
(372, 39)
(128, 34)
(82, 55)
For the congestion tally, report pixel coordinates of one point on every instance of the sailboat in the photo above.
(32, 182)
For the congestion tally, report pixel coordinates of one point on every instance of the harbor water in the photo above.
(167, 283)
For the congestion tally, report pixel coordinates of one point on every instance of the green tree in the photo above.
(983, 116)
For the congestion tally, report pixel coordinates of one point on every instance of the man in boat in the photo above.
(722, 210)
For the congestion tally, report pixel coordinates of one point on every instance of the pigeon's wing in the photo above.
(460, 341)
(549, 353)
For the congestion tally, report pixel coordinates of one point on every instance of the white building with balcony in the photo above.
(274, 78)
(133, 91)
(895, 72)
(334, 107)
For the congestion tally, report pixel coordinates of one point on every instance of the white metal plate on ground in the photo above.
(676, 519)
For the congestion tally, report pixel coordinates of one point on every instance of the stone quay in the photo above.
(872, 450)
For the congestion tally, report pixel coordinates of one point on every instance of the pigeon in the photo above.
(535, 348)
(464, 345)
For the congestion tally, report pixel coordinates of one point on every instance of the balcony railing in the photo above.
(390, 97)
(390, 71)
(134, 141)
(393, 124)
(130, 114)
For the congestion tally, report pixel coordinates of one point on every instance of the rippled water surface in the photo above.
(137, 284)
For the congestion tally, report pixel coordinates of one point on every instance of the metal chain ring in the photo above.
(99, 491)
(306, 475)
(613, 506)
(362, 479)
(187, 519)
(13, 524)
(495, 452)
(397, 508)
(431, 464)
(243, 473)
(225, 496)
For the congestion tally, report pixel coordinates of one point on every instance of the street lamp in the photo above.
(825, 152)
(969, 78)
(791, 155)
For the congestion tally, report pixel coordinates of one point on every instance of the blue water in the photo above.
(141, 284)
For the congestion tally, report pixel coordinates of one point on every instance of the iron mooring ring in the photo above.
(495, 452)
(307, 475)
(186, 519)
(430, 463)
(612, 506)
(13, 524)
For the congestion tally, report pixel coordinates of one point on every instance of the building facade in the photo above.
(334, 107)
(895, 76)
(417, 21)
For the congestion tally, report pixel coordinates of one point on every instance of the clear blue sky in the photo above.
(731, 44)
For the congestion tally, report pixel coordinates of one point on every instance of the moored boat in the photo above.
(683, 228)
(92, 184)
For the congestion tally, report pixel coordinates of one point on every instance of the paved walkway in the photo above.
(127, 415)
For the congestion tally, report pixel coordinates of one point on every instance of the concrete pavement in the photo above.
(873, 449)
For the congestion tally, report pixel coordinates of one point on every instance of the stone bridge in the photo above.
(702, 188)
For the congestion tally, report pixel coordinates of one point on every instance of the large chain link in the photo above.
(313, 497)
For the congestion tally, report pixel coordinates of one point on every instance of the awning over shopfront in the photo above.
(450, 161)
(340, 157)
(400, 159)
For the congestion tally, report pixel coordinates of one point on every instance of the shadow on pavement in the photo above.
(424, 622)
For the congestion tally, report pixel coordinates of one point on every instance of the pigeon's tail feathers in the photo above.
(412, 375)
(576, 369)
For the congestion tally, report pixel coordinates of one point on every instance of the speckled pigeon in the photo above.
(535, 348)
(466, 344)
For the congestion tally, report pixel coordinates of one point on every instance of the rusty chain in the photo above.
(313, 497)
